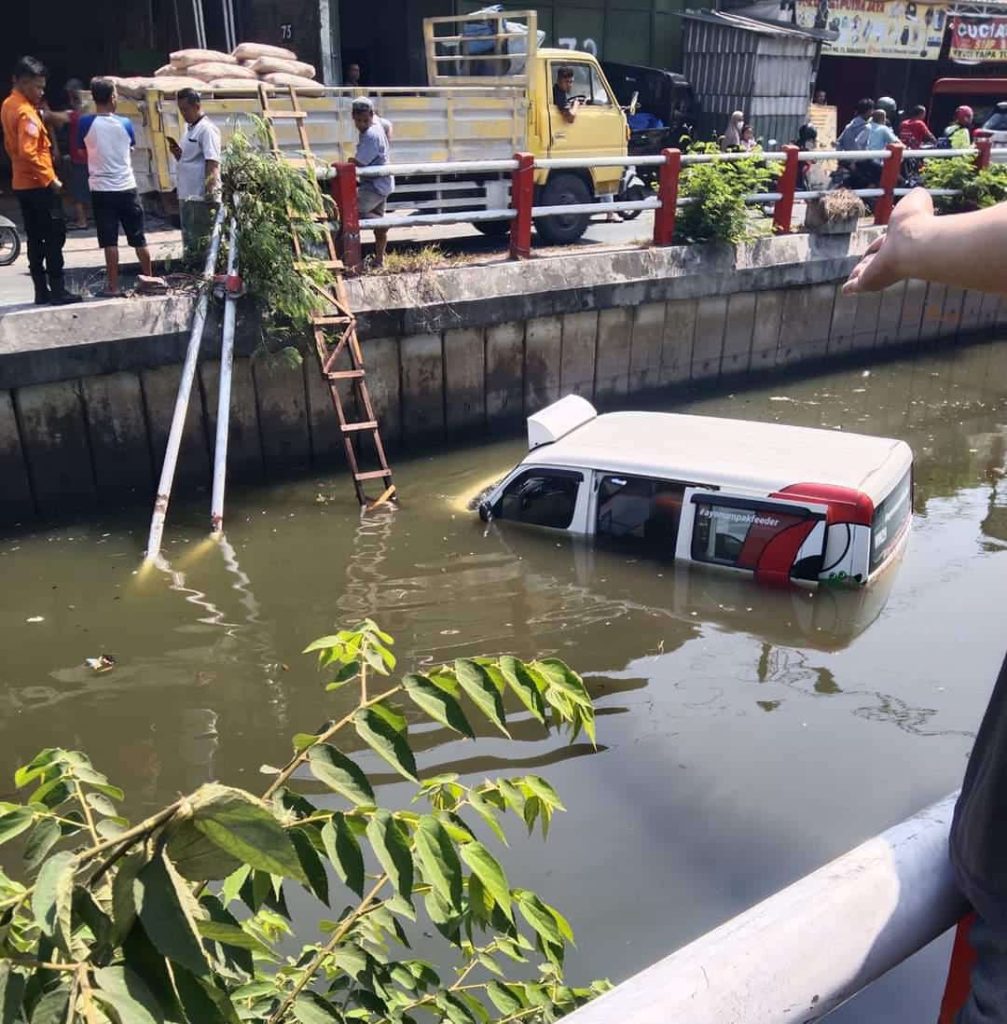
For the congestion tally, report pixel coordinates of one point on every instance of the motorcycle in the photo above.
(10, 242)
(632, 189)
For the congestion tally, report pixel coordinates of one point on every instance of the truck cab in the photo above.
(502, 48)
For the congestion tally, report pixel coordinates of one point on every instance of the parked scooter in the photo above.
(632, 189)
(10, 242)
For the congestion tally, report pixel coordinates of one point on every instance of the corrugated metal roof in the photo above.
(760, 26)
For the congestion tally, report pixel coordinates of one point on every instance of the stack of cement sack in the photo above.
(240, 71)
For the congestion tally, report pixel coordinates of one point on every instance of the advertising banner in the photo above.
(877, 28)
(980, 39)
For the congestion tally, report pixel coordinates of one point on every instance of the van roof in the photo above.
(741, 454)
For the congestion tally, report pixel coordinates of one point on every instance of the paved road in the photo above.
(85, 262)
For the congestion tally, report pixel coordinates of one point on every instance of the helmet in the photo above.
(964, 113)
(888, 105)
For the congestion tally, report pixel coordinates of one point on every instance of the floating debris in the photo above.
(36, 618)
(103, 663)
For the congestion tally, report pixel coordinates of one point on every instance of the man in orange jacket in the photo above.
(36, 186)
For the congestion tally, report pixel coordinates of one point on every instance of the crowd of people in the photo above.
(69, 159)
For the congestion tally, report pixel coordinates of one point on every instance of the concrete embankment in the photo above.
(86, 392)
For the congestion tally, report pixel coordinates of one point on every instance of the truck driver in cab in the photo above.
(565, 103)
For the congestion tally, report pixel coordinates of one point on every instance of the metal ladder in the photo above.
(334, 326)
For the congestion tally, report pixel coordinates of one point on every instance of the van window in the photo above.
(542, 497)
(737, 532)
(639, 512)
(890, 518)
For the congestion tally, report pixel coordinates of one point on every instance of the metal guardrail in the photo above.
(522, 211)
(797, 955)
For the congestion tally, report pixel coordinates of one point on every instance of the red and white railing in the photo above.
(665, 202)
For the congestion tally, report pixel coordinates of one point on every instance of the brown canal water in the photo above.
(745, 736)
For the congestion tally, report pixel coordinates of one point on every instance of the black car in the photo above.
(667, 109)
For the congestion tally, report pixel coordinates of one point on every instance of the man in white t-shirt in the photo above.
(198, 178)
(109, 139)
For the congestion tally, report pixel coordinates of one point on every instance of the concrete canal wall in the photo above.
(86, 392)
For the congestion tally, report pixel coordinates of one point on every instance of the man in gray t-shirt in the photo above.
(372, 151)
(198, 178)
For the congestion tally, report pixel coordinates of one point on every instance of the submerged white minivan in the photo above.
(778, 502)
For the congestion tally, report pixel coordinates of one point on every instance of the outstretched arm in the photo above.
(966, 250)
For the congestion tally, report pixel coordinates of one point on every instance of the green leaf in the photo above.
(232, 935)
(241, 825)
(52, 793)
(144, 960)
(343, 851)
(323, 643)
(53, 898)
(303, 740)
(44, 837)
(202, 1001)
(476, 682)
(522, 682)
(36, 767)
(52, 1007)
(391, 846)
(12, 987)
(544, 791)
(124, 895)
(197, 857)
(168, 913)
(539, 916)
(487, 868)
(377, 727)
(437, 703)
(311, 865)
(126, 994)
(503, 998)
(233, 883)
(101, 803)
(485, 811)
(13, 823)
(454, 1009)
(233, 962)
(340, 774)
(439, 860)
(311, 1008)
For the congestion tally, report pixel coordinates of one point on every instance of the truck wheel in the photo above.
(492, 228)
(563, 190)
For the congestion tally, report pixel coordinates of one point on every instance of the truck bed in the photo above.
(430, 125)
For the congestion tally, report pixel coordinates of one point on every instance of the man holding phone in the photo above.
(198, 179)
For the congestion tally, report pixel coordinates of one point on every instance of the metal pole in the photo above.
(182, 399)
(807, 948)
(224, 388)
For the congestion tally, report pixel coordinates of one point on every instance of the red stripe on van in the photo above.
(845, 504)
(778, 555)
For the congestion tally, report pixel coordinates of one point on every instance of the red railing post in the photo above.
(344, 191)
(890, 170)
(783, 210)
(522, 197)
(667, 193)
(984, 145)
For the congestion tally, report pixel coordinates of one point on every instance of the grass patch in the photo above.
(414, 261)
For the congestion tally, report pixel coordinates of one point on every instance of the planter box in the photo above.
(816, 221)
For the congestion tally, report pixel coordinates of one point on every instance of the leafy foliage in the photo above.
(719, 212)
(978, 190)
(183, 917)
(277, 202)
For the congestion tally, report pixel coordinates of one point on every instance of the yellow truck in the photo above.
(490, 96)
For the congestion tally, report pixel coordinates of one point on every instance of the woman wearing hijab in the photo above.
(732, 133)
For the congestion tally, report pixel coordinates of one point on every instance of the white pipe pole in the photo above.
(182, 399)
(809, 947)
(224, 390)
